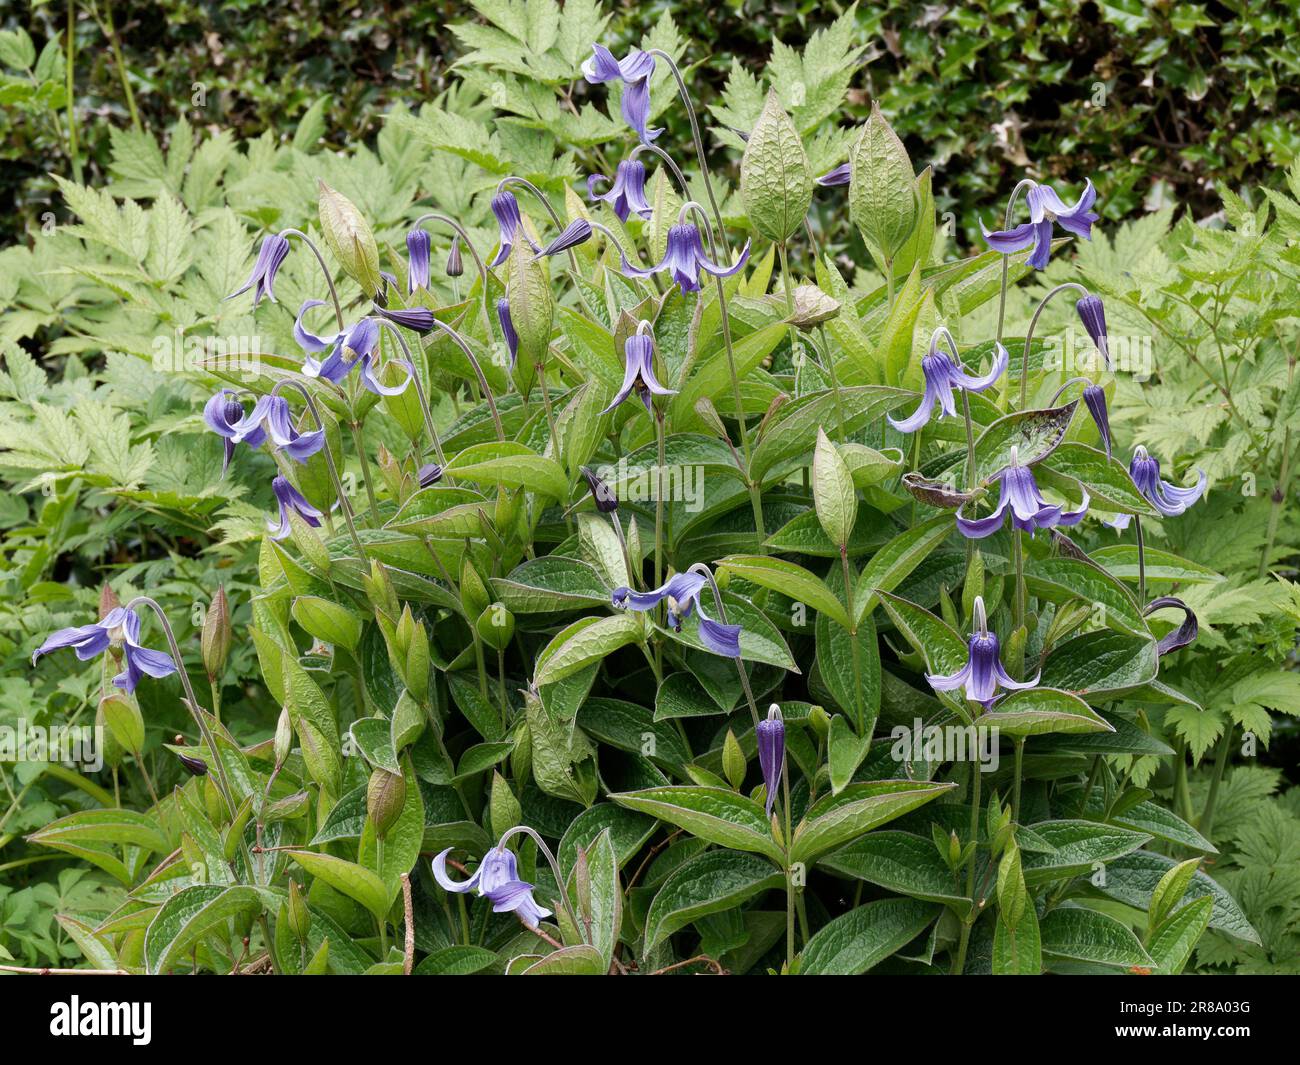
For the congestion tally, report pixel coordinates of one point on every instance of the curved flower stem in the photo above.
(658, 418)
(344, 505)
(329, 279)
(196, 712)
(1029, 336)
(695, 130)
(1015, 789)
(478, 372)
(479, 265)
(622, 543)
(550, 858)
(707, 574)
(1021, 186)
(425, 412)
(541, 198)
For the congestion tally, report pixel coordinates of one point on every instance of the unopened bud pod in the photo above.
(108, 601)
(299, 913)
(217, 634)
(350, 238)
(380, 591)
(197, 766)
(812, 307)
(122, 716)
(109, 746)
(283, 737)
(385, 797)
(455, 265)
(473, 594)
(496, 625)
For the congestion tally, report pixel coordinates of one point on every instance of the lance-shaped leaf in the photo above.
(350, 238)
(865, 936)
(882, 191)
(596, 896)
(1100, 665)
(1034, 434)
(934, 639)
(1061, 579)
(1106, 479)
(1133, 879)
(833, 494)
(708, 883)
(836, 819)
(550, 583)
(1036, 711)
(788, 579)
(892, 564)
(1077, 934)
(513, 464)
(775, 179)
(1171, 944)
(714, 814)
(190, 915)
(355, 881)
(584, 642)
(902, 863)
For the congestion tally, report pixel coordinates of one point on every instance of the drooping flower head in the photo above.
(1167, 498)
(841, 175)
(1092, 313)
(1094, 397)
(681, 593)
(983, 672)
(270, 257)
(942, 374)
(497, 880)
(417, 269)
(1045, 208)
(1029, 510)
(626, 195)
(601, 493)
(576, 232)
(770, 736)
(684, 258)
(428, 474)
(508, 329)
(635, 72)
(356, 345)
(638, 370)
(290, 499)
(120, 630)
(270, 416)
(509, 224)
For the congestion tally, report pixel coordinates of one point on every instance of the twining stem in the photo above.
(435, 216)
(555, 868)
(695, 130)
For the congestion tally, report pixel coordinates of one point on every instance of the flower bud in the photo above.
(455, 265)
(283, 737)
(217, 634)
(380, 591)
(299, 914)
(812, 306)
(197, 766)
(385, 798)
(121, 714)
(108, 601)
(604, 497)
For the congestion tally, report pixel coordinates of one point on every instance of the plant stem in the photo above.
(1015, 792)
(1142, 562)
(1029, 334)
(959, 962)
(69, 88)
(1206, 822)
(359, 442)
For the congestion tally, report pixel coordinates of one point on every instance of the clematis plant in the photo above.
(118, 632)
(681, 595)
(1019, 494)
(983, 673)
(1046, 208)
(634, 71)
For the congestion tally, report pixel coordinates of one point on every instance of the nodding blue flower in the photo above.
(841, 175)
(509, 224)
(289, 499)
(639, 371)
(770, 735)
(270, 416)
(682, 594)
(983, 672)
(576, 232)
(942, 373)
(428, 474)
(635, 72)
(120, 630)
(508, 329)
(1169, 499)
(358, 344)
(626, 196)
(497, 880)
(685, 258)
(1045, 208)
(417, 267)
(270, 257)
(601, 493)
(223, 413)
(1092, 313)
(1029, 510)
(1094, 396)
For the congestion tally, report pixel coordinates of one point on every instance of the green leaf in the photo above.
(580, 960)
(1061, 579)
(550, 583)
(628, 831)
(327, 621)
(902, 863)
(865, 936)
(714, 814)
(855, 688)
(1106, 479)
(788, 579)
(1121, 560)
(1034, 434)
(709, 883)
(775, 180)
(460, 960)
(1100, 665)
(353, 880)
(882, 191)
(584, 642)
(122, 827)
(1078, 847)
(894, 562)
(833, 493)
(1078, 934)
(1036, 711)
(596, 896)
(190, 915)
(1171, 944)
(836, 819)
(513, 464)
(1170, 890)
(1133, 878)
